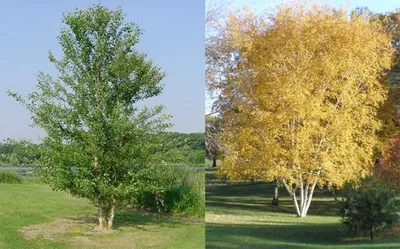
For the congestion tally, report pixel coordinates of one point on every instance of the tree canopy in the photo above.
(306, 87)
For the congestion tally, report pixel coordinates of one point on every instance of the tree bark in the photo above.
(306, 193)
(111, 215)
(298, 211)
(106, 215)
(334, 194)
(102, 216)
(214, 165)
(275, 199)
(371, 233)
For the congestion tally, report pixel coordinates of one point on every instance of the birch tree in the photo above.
(97, 137)
(310, 81)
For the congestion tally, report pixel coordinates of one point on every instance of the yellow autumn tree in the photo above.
(310, 84)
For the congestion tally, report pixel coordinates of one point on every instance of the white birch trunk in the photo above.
(306, 192)
(102, 218)
(111, 214)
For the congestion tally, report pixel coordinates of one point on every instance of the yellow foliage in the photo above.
(310, 83)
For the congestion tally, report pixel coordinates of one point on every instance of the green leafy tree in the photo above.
(18, 152)
(97, 139)
(370, 207)
(181, 148)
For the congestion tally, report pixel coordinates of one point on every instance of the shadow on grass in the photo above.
(252, 199)
(257, 197)
(130, 218)
(300, 235)
(133, 218)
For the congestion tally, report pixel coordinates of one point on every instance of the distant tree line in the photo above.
(18, 152)
(181, 148)
(177, 148)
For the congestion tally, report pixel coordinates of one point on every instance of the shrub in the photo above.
(196, 157)
(10, 177)
(369, 208)
(170, 189)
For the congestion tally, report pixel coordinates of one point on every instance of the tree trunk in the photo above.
(111, 214)
(214, 165)
(106, 215)
(110, 217)
(371, 233)
(334, 195)
(306, 192)
(275, 199)
(214, 162)
(102, 216)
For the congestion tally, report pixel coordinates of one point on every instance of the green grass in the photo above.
(33, 216)
(241, 216)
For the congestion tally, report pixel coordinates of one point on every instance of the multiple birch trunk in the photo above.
(303, 201)
(106, 215)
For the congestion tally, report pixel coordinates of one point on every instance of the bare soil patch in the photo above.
(84, 231)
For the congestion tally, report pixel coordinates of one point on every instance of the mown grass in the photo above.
(33, 216)
(242, 216)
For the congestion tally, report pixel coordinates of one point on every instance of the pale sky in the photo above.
(374, 5)
(173, 38)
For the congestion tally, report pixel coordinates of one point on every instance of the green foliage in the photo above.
(196, 157)
(10, 177)
(168, 189)
(16, 153)
(180, 148)
(97, 139)
(369, 208)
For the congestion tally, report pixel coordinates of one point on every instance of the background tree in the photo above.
(181, 148)
(307, 111)
(18, 152)
(387, 157)
(389, 165)
(388, 113)
(220, 57)
(213, 141)
(370, 207)
(97, 138)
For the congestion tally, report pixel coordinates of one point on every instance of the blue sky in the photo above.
(374, 5)
(173, 38)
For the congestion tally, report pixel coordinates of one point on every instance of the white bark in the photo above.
(111, 214)
(275, 199)
(102, 218)
(306, 193)
(298, 210)
(106, 216)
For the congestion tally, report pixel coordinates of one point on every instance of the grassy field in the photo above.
(241, 216)
(35, 217)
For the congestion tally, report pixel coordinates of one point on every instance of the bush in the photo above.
(170, 189)
(196, 157)
(10, 177)
(369, 208)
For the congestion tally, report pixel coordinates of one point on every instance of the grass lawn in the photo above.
(35, 217)
(241, 216)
